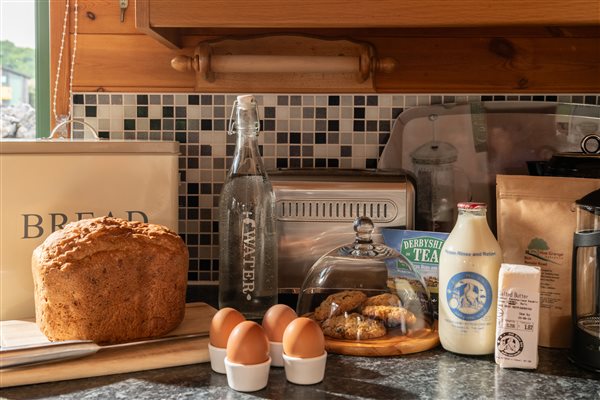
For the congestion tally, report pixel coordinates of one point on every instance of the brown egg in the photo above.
(222, 324)
(275, 321)
(303, 338)
(248, 344)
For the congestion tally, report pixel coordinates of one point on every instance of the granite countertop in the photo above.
(434, 374)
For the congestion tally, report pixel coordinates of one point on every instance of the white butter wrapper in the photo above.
(518, 316)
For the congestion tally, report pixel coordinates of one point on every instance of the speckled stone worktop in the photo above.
(435, 374)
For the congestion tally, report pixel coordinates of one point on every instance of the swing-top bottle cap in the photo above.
(246, 101)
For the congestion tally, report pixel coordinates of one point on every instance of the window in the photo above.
(24, 50)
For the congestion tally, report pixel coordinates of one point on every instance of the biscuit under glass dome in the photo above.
(365, 292)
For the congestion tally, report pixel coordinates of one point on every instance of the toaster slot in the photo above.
(333, 210)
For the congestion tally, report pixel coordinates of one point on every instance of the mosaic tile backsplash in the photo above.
(307, 131)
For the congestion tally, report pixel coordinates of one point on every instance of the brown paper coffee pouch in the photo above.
(536, 222)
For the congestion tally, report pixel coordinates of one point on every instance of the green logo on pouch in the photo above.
(422, 250)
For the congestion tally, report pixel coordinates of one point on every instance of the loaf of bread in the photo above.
(109, 280)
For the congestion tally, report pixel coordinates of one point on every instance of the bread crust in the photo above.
(110, 280)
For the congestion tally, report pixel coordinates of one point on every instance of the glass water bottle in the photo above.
(248, 243)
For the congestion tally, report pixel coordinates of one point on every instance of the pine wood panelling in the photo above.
(370, 13)
(115, 56)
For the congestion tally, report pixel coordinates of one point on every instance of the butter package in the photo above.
(517, 323)
(422, 249)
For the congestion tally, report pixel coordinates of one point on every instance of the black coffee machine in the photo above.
(585, 346)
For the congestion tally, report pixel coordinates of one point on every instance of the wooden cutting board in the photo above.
(110, 361)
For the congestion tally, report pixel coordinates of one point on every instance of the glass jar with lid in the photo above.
(368, 299)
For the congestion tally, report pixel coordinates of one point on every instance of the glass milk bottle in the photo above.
(248, 243)
(469, 264)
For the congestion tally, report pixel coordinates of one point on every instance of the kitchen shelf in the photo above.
(169, 20)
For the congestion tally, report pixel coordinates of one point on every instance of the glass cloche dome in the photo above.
(365, 292)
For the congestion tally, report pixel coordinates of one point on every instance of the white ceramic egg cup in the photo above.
(276, 353)
(247, 378)
(217, 358)
(305, 371)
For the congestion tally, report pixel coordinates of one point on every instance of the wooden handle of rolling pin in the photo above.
(286, 64)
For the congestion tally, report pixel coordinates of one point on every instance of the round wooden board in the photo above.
(388, 345)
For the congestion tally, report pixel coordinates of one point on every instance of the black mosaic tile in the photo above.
(192, 275)
(269, 112)
(193, 137)
(219, 125)
(359, 126)
(525, 98)
(320, 125)
(282, 100)
(206, 124)
(155, 124)
(295, 162)
(384, 126)
(294, 151)
(192, 188)
(142, 99)
(193, 150)
(359, 112)
(499, 98)
(180, 137)
(193, 201)
(320, 138)
(345, 151)
(321, 112)
(383, 138)
(333, 125)
(307, 151)
(396, 112)
(192, 214)
(551, 98)
(320, 162)
(77, 99)
(90, 111)
(168, 112)
(217, 187)
(590, 100)
(295, 100)
(487, 98)
(372, 100)
(359, 100)
(219, 112)
(205, 150)
(142, 111)
(333, 163)
(282, 162)
(129, 124)
(192, 163)
(215, 226)
(295, 137)
(333, 100)
(180, 112)
(229, 150)
(193, 99)
(371, 163)
(538, 98)
(103, 135)
(205, 188)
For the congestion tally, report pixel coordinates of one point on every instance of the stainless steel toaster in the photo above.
(316, 208)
